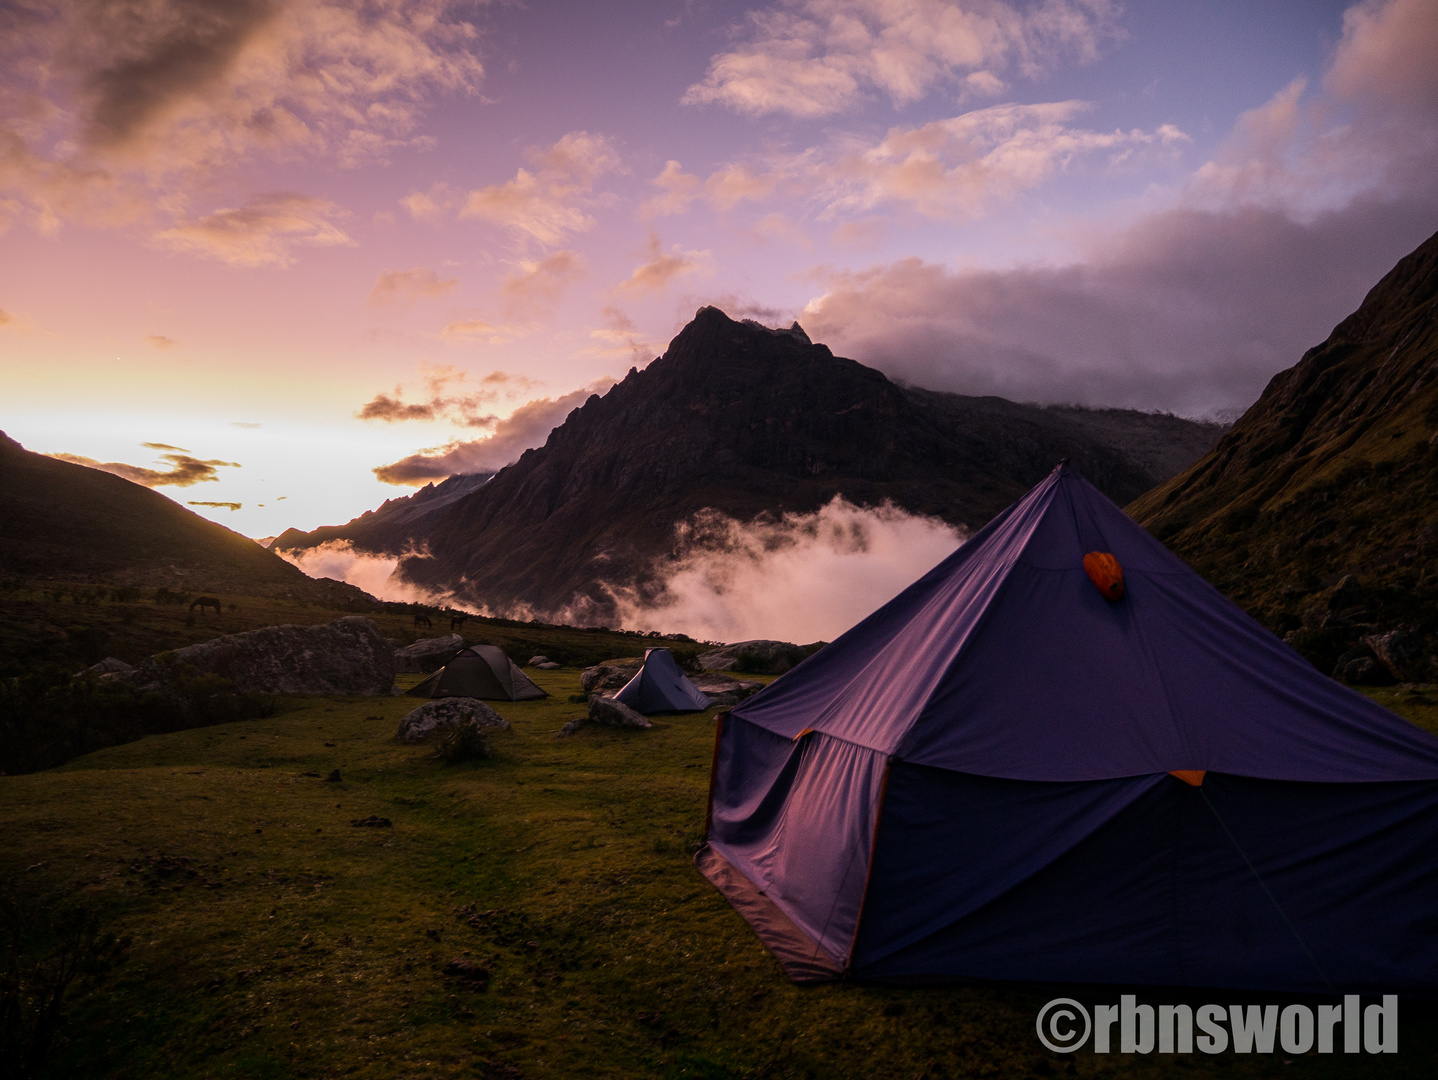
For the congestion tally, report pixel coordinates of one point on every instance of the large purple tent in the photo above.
(979, 781)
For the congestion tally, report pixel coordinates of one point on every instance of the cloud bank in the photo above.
(372, 573)
(443, 402)
(115, 104)
(815, 58)
(404, 287)
(1308, 202)
(802, 578)
(540, 206)
(184, 470)
(260, 233)
(527, 427)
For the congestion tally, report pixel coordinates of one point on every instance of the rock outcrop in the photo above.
(611, 713)
(757, 657)
(434, 718)
(347, 656)
(110, 667)
(427, 654)
(610, 675)
(723, 692)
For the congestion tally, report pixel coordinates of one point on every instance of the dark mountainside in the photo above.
(1318, 511)
(750, 421)
(396, 526)
(72, 523)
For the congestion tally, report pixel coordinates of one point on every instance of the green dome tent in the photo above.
(480, 671)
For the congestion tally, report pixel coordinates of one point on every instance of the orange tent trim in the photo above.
(1191, 777)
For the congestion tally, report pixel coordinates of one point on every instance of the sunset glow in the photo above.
(263, 251)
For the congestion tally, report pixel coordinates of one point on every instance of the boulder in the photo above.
(429, 654)
(610, 675)
(724, 691)
(347, 656)
(544, 663)
(549, 665)
(426, 722)
(759, 657)
(1400, 651)
(612, 713)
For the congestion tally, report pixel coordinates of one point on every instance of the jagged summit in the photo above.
(748, 420)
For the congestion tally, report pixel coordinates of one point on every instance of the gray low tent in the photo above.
(659, 686)
(480, 671)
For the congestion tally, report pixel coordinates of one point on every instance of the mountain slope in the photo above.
(394, 527)
(749, 421)
(65, 521)
(1333, 472)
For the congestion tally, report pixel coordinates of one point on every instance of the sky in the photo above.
(284, 259)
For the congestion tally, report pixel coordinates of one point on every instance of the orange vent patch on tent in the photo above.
(1105, 572)
(1191, 777)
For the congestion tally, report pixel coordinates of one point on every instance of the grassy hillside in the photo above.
(74, 624)
(272, 938)
(1333, 472)
(67, 521)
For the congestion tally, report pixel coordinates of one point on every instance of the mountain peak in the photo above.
(747, 420)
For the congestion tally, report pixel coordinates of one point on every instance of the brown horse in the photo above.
(421, 620)
(207, 602)
(456, 621)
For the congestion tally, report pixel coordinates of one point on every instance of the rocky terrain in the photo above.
(1318, 511)
(749, 421)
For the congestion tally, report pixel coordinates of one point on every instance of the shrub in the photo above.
(50, 953)
(462, 742)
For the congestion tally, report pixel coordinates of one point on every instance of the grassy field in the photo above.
(273, 938)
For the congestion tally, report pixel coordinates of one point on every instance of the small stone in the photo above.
(572, 726)
(333, 777)
(374, 821)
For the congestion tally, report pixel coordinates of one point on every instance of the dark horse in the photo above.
(207, 601)
(456, 621)
(421, 620)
